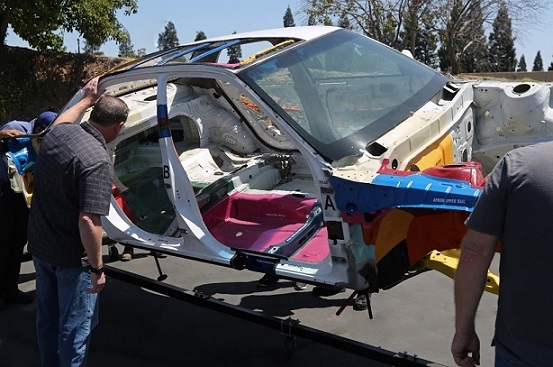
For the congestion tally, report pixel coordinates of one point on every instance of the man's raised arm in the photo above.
(73, 113)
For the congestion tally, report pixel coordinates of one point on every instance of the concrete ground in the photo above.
(142, 328)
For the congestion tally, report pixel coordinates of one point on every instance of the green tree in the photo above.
(419, 34)
(502, 53)
(344, 22)
(450, 49)
(126, 48)
(522, 64)
(42, 23)
(474, 56)
(538, 62)
(91, 49)
(378, 19)
(456, 18)
(385, 21)
(200, 35)
(550, 68)
(459, 24)
(234, 53)
(425, 40)
(328, 21)
(168, 38)
(288, 19)
(141, 52)
(464, 46)
(311, 20)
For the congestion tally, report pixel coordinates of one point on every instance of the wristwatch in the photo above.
(99, 270)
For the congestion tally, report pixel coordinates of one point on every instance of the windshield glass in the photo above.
(343, 91)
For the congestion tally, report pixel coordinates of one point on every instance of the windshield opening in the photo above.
(344, 90)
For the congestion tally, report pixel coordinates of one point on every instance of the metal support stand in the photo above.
(289, 339)
(161, 276)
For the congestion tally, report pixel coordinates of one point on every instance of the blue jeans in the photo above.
(66, 314)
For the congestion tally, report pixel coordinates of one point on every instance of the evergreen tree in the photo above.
(91, 49)
(550, 68)
(344, 22)
(522, 64)
(454, 22)
(421, 38)
(311, 20)
(474, 55)
(378, 19)
(450, 48)
(200, 35)
(126, 47)
(502, 53)
(168, 38)
(288, 19)
(538, 62)
(141, 52)
(464, 48)
(234, 53)
(328, 21)
(464, 44)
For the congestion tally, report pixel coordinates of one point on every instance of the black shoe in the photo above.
(127, 254)
(159, 255)
(360, 303)
(327, 290)
(267, 280)
(18, 297)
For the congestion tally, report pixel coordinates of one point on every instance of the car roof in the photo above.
(303, 33)
(204, 48)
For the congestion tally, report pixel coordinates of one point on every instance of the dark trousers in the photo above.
(14, 215)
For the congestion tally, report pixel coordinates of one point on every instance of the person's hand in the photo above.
(10, 133)
(91, 91)
(98, 282)
(465, 349)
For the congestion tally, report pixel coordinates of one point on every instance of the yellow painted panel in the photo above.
(437, 154)
(392, 230)
(446, 263)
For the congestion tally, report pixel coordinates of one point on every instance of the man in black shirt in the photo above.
(14, 214)
(72, 191)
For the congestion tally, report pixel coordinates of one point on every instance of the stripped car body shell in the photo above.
(305, 159)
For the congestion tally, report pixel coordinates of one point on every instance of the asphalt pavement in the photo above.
(143, 328)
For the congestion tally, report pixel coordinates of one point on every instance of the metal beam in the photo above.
(288, 327)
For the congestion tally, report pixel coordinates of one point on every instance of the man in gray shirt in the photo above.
(513, 211)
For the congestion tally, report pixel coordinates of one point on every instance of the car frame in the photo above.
(324, 157)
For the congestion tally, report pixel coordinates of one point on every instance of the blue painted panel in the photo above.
(164, 130)
(22, 153)
(182, 53)
(412, 191)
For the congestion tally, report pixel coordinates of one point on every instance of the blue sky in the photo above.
(214, 18)
(218, 18)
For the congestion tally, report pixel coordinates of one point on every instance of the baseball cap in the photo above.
(46, 118)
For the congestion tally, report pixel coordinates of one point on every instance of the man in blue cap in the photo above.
(14, 215)
(35, 126)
